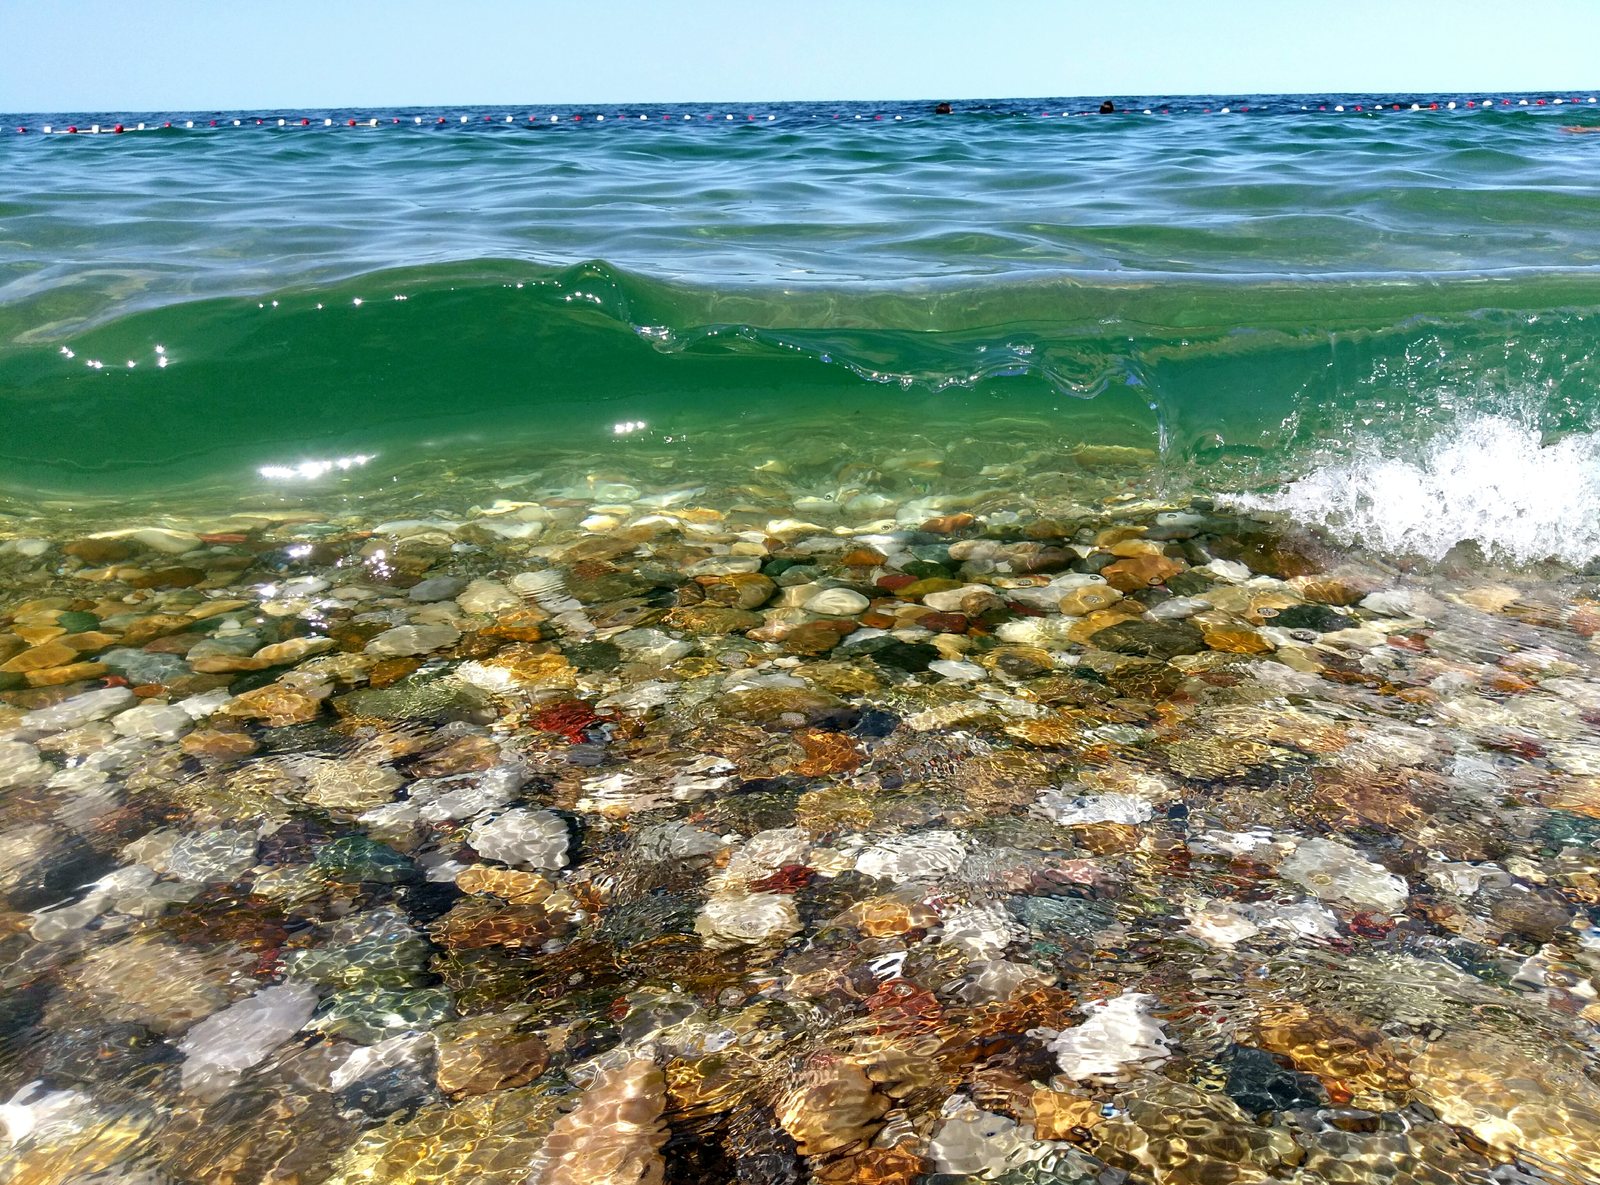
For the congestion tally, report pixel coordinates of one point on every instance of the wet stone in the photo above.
(1312, 617)
(1151, 639)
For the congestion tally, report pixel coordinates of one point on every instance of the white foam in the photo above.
(1491, 479)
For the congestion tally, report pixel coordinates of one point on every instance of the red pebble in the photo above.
(894, 581)
(945, 623)
(788, 879)
(569, 719)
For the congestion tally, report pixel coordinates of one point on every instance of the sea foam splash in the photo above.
(1489, 479)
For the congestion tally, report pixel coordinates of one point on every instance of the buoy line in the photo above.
(511, 120)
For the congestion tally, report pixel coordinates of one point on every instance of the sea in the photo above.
(802, 642)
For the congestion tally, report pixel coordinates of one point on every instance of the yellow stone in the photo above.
(89, 641)
(213, 608)
(1230, 635)
(38, 635)
(71, 673)
(1060, 1115)
(510, 885)
(1089, 598)
(1092, 623)
(276, 705)
(37, 658)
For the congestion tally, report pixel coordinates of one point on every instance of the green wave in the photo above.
(1238, 379)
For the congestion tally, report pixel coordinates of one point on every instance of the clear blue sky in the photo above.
(139, 55)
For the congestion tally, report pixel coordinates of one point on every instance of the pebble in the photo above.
(224, 1045)
(157, 721)
(405, 640)
(535, 839)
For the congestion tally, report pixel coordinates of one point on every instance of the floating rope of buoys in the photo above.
(596, 119)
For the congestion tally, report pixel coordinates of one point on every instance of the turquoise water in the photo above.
(1251, 296)
(853, 648)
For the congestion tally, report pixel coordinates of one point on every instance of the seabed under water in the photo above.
(606, 826)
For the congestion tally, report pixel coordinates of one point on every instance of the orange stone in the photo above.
(826, 753)
(862, 557)
(1141, 571)
(947, 524)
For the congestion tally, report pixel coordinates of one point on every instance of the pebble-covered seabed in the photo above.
(604, 824)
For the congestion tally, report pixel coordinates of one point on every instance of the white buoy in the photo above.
(727, 117)
(599, 119)
(1340, 107)
(141, 126)
(372, 123)
(1451, 105)
(1227, 111)
(327, 123)
(189, 124)
(47, 129)
(644, 117)
(416, 119)
(280, 124)
(1416, 107)
(236, 123)
(1522, 102)
(508, 119)
(1558, 102)
(94, 128)
(463, 119)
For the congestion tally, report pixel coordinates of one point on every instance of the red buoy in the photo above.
(73, 129)
(352, 123)
(117, 129)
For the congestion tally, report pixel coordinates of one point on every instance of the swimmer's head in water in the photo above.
(1108, 108)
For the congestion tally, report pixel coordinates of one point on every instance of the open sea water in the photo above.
(802, 642)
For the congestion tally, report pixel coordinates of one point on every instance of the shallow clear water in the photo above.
(989, 647)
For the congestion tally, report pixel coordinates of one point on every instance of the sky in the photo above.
(159, 55)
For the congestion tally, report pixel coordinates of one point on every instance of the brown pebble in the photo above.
(817, 637)
(224, 746)
(180, 577)
(389, 671)
(99, 551)
(157, 625)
